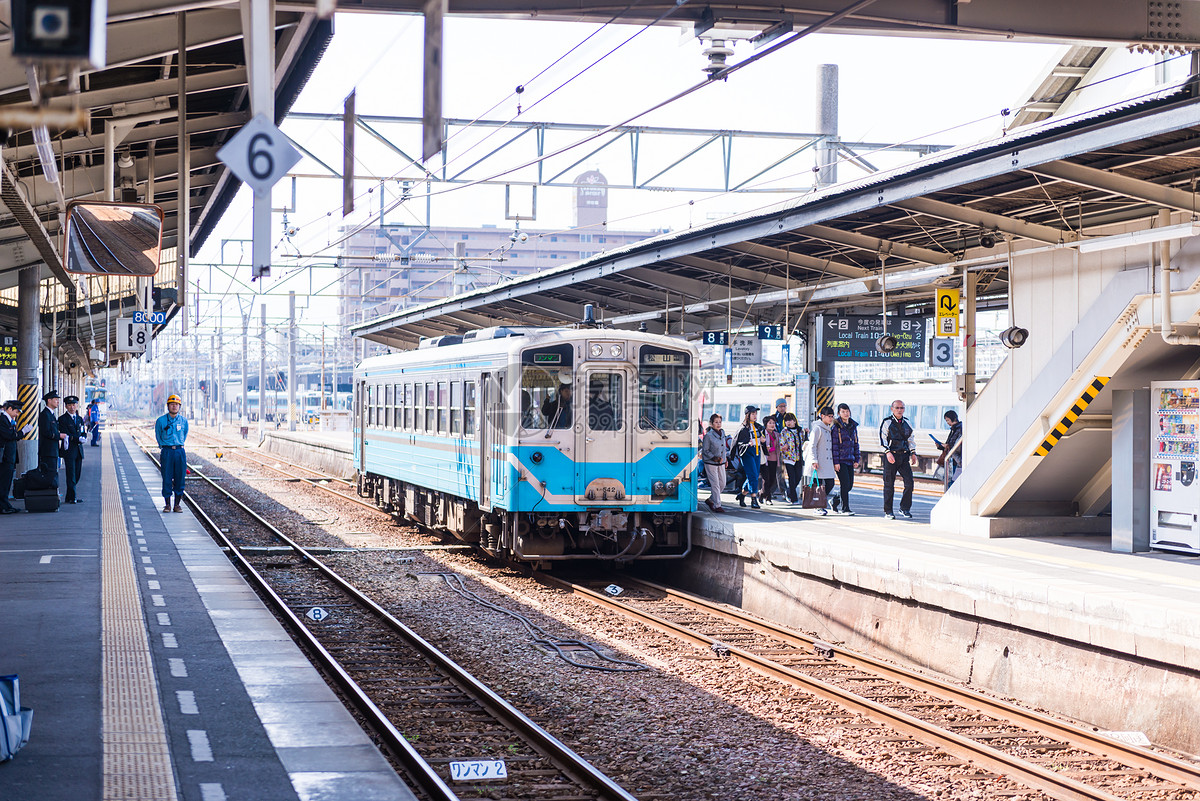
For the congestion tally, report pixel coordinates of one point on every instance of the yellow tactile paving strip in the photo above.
(137, 762)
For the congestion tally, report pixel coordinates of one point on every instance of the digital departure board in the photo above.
(851, 338)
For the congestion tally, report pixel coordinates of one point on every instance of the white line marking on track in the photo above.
(178, 668)
(201, 750)
(211, 791)
(187, 702)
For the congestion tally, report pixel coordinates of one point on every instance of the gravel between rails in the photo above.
(693, 726)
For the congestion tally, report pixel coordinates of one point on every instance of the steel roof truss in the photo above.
(1105, 181)
(986, 219)
(800, 260)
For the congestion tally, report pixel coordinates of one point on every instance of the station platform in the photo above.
(153, 670)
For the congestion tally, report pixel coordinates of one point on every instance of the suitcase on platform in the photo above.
(18, 488)
(41, 500)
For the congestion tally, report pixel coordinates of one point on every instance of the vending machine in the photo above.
(1174, 488)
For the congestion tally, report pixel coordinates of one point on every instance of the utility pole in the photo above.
(219, 381)
(322, 373)
(291, 379)
(827, 124)
(29, 345)
(262, 376)
(245, 421)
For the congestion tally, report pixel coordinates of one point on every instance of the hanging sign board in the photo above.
(716, 338)
(947, 313)
(747, 350)
(851, 338)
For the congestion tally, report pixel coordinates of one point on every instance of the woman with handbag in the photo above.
(749, 448)
(822, 454)
(715, 454)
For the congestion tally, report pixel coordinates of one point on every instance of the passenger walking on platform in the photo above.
(770, 461)
(900, 454)
(71, 424)
(171, 431)
(50, 441)
(953, 465)
(9, 435)
(846, 457)
(822, 451)
(94, 422)
(791, 449)
(749, 449)
(714, 452)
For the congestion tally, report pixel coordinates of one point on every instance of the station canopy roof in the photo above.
(1048, 185)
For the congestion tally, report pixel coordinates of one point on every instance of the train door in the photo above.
(360, 429)
(492, 441)
(603, 470)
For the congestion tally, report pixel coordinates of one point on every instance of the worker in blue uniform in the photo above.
(171, 431)
(71, 424)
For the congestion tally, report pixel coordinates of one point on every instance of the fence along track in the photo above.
(458, 717)
(823, 670)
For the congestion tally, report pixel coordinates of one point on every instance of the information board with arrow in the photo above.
(851, 338)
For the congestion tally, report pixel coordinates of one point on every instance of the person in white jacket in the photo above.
(822, 452)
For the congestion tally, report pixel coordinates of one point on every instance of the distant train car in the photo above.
(537, 444)
(94, 392)
(925, 404)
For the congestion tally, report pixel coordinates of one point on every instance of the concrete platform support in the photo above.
(1131, 471)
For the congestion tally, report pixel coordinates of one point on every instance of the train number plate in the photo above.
(477, 769)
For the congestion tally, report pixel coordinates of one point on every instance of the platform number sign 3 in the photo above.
(259, 155)
(941, 352)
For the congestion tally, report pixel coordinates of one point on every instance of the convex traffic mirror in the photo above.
(113, 238)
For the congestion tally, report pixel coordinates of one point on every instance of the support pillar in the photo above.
(1131, 470)
(291, 379)
(827, 124)
(970, 282)
(826, 375)
(262, 376)
(29, 346)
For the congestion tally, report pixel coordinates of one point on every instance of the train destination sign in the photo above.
(851, 338)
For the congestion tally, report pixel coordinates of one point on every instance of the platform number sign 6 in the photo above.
(941, 353)
(259, 154)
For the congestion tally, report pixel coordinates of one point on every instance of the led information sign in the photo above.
(851, 338)
(547, 358)
(8, 352)
(716, 338)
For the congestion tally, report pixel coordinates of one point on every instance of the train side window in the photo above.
(406, 404)
(370, 404)
(469, 408)
(538, 388)
(928, 417)
(871, 417)
(430, 407)
(443, 398)
(456, 407)
(379, 404)
(418, 407)
(389, 398)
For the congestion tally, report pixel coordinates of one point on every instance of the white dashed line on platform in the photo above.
(187, 702)
(164, 619)
(157, 600)
(169, 641)
(201, 750)
(153, 585)
(178, 668)
(212, 792)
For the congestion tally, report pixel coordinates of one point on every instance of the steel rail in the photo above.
(571, 764)
(1163, 766)
(1034, 776)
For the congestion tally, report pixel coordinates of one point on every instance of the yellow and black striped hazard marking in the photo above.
(1071, 416)
(824, 397)
(27, 397)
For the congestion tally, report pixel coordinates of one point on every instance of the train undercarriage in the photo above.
(586, 534)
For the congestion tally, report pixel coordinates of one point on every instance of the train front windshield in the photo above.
(664, 390)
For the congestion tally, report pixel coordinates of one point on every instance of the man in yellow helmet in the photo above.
(171, 431)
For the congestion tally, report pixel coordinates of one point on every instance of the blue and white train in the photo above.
(537, 444)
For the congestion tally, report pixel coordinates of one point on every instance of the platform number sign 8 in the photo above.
(941, 353)
(137, 337)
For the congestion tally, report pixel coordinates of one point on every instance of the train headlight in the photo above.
(596, 350)
(673, 458)
(664, 489)
(536, 457)
(616, 351)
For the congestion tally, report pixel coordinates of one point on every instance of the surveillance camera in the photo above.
(70, 31)
(1014, 337)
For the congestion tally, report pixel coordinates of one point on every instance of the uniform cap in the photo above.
(71, 399)
(51, 395)
(175, 399)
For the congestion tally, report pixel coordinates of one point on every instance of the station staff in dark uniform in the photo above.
(9, 435)
(71, 424)
(50, 440)
(900, 455)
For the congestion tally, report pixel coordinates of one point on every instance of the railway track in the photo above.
(1061, 759)
(439, 722)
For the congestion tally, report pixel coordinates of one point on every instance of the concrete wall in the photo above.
(311, 450)
(1024, 642)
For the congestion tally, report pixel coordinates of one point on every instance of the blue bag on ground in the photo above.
(15, 720)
